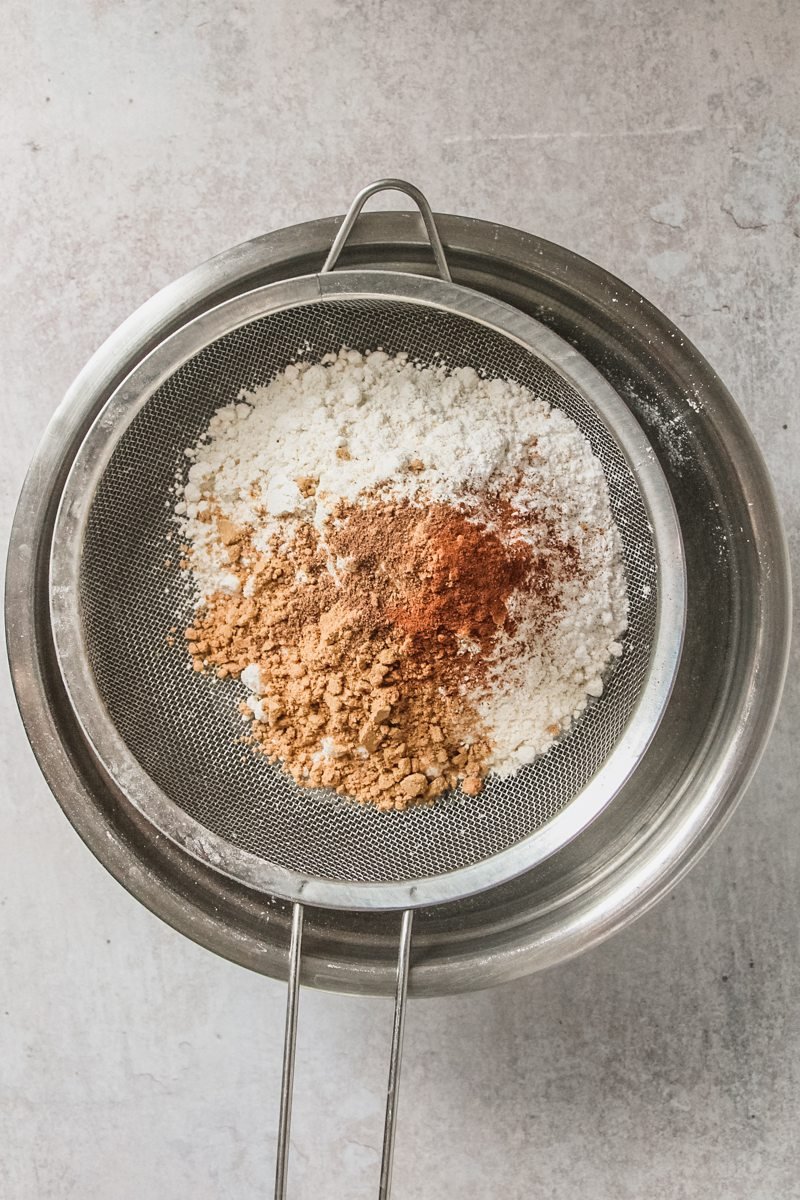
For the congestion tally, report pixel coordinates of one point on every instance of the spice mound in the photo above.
(413, 571)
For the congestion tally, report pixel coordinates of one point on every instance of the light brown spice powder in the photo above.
(368, 637)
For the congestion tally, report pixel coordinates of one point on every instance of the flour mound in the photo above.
(363, 429)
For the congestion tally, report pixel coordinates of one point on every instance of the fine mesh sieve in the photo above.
(172, 735)
(155, 700)
(168, 737)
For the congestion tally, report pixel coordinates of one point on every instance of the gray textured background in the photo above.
(659, 139)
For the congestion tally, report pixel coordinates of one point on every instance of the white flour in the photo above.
(360, 424)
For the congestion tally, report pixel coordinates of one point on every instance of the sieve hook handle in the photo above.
(389, 185)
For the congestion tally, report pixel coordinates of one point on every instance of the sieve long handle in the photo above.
(289, 1045)
(398, 1028)
(389, 185)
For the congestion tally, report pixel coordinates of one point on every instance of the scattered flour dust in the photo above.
(284, 462)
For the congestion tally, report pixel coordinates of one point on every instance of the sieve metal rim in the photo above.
(94, 454)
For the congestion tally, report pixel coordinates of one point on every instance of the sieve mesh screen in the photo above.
(183, 728)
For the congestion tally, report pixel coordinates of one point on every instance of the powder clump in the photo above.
(414, 571)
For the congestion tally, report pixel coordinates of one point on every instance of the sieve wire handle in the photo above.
(389, 185)
(289, 1046)
(398, 1029)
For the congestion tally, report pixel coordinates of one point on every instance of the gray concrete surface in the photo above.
(661, 140)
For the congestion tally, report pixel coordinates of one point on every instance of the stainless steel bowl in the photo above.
(708, 743)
